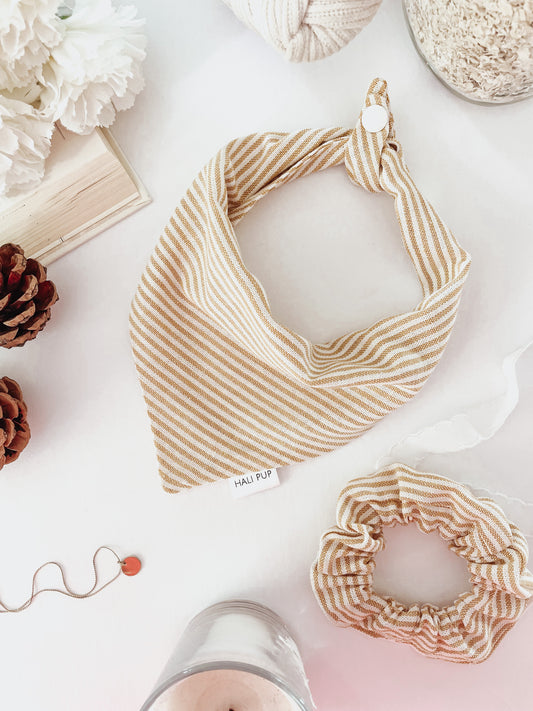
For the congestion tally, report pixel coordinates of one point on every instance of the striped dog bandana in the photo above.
(475, 528)
(229, 391)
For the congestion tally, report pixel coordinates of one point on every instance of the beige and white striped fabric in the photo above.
(306, 30)
(230, 391)
(475, 528)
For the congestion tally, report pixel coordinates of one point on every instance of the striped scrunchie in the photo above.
(475, 528)
(229, 390)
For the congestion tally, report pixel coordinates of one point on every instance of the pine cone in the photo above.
(26, 297)
(14, 429)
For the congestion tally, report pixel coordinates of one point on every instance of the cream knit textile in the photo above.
(305, 30)
(229, 390)
(475, 528)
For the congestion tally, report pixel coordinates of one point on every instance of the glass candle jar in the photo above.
(483, 50)
(233, 656)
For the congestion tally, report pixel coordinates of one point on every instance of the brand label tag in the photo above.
(248, 484)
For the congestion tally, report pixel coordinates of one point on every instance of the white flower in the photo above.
(96, 69)
(24, 144)
(28, 29)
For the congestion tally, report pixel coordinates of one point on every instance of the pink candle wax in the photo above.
(224, 690)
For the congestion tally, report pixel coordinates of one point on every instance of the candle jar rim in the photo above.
(240, 605)
(223, 666)
(269, 634)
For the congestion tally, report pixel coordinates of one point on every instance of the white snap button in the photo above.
(374, 118)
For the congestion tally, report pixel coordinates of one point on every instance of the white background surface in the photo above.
(330, 258)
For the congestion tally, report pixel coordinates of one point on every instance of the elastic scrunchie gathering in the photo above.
(476, 529)
(305, 30)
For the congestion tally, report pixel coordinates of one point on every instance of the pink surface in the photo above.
(357, 674)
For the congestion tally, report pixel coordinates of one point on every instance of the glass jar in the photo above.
(235, 655)
(482, 51)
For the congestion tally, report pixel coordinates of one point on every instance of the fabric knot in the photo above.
(365, 149)
(305, 30)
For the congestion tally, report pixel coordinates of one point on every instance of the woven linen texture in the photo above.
(476, 529)
(229, 390)
(306, 30)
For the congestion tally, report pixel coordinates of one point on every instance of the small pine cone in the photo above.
(26, 297)
(14, 429)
